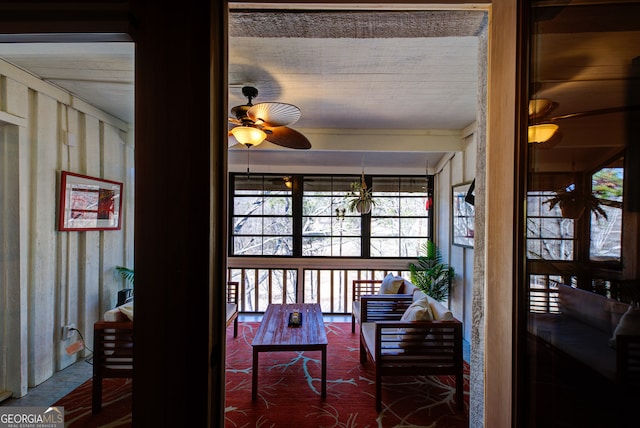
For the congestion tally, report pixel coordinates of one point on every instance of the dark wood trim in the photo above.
(452, 3)
(174, 260)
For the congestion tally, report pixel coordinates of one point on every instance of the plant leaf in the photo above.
(125, 273)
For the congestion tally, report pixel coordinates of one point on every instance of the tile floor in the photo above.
(54, 388)
(65, 381)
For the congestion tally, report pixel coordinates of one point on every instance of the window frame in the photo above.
(297, 195)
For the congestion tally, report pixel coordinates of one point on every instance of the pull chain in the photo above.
(248, 148)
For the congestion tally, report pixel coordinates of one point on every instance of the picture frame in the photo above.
(462, 215)
(89, 203)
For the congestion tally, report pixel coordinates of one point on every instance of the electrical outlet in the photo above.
(68, 331)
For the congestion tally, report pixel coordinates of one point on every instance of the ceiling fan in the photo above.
(542, 128)
(268, 121)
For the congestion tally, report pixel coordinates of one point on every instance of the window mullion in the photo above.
(365, 226)
(297, 214)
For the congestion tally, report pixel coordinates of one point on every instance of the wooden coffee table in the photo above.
(274, 335)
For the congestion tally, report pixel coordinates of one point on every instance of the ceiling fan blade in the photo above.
(586, 113)
(287, 137)
(234, 120)
(274, 114)
(595, 112)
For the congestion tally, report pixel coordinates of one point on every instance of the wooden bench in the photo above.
(232, 305)
(408, 348)
(113, 345)
(112, 355)
(580, 325)
(365, 287)
(361, 287)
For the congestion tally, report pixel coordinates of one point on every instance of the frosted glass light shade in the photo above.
(539, 107)
(248, 136)
(542, 133)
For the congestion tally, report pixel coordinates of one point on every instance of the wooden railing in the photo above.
(326, 281)
(543, 294)
(329, 281)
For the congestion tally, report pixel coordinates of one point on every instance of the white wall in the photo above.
(458, 169)
(51, 278)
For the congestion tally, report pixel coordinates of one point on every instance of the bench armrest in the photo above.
(362, 287)
(384, 307)
(233, 291)
(112, 347)
(436, 342)
(628, 360)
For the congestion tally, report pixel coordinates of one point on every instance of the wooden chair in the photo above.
(112, 355)
(233, 288)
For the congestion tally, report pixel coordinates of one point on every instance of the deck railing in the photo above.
(543, 294)
(326, 281)
(329, 281)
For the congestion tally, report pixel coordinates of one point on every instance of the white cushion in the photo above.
(585, 306)
(408, 288)
(114, 315)
(232, 309)
(629, 324)
(440, 313)
(391, 284)
(419, 310)
(355, 309)
(127, 310)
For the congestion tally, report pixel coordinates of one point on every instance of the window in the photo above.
(262, 216)
(549, 235)
(311, 219)
(606, 231)
(400, 220)
(328, 228)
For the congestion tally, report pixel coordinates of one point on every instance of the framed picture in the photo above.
(463, 215)
(89, 203)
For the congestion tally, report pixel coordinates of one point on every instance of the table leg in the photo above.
(254, 376)
(324, 372)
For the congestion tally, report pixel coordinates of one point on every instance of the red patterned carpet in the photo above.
(116, 405)
(289, 391)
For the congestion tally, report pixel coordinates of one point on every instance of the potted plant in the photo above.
(125, 273)
(573, 203)
(431, 275)
(360, 198)
(126, 294)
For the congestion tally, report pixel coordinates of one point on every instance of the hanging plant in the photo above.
(573, 203)
(360, 197)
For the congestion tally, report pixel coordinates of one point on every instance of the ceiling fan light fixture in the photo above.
(248, 135)
(271, 118)
(542, 133)
(539, 107)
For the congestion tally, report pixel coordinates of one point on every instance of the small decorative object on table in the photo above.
(295, 319)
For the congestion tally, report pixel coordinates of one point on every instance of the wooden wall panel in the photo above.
(500, 201)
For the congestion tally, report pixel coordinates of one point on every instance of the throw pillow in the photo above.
(629, 324)
(420, 310)
(390, 284)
